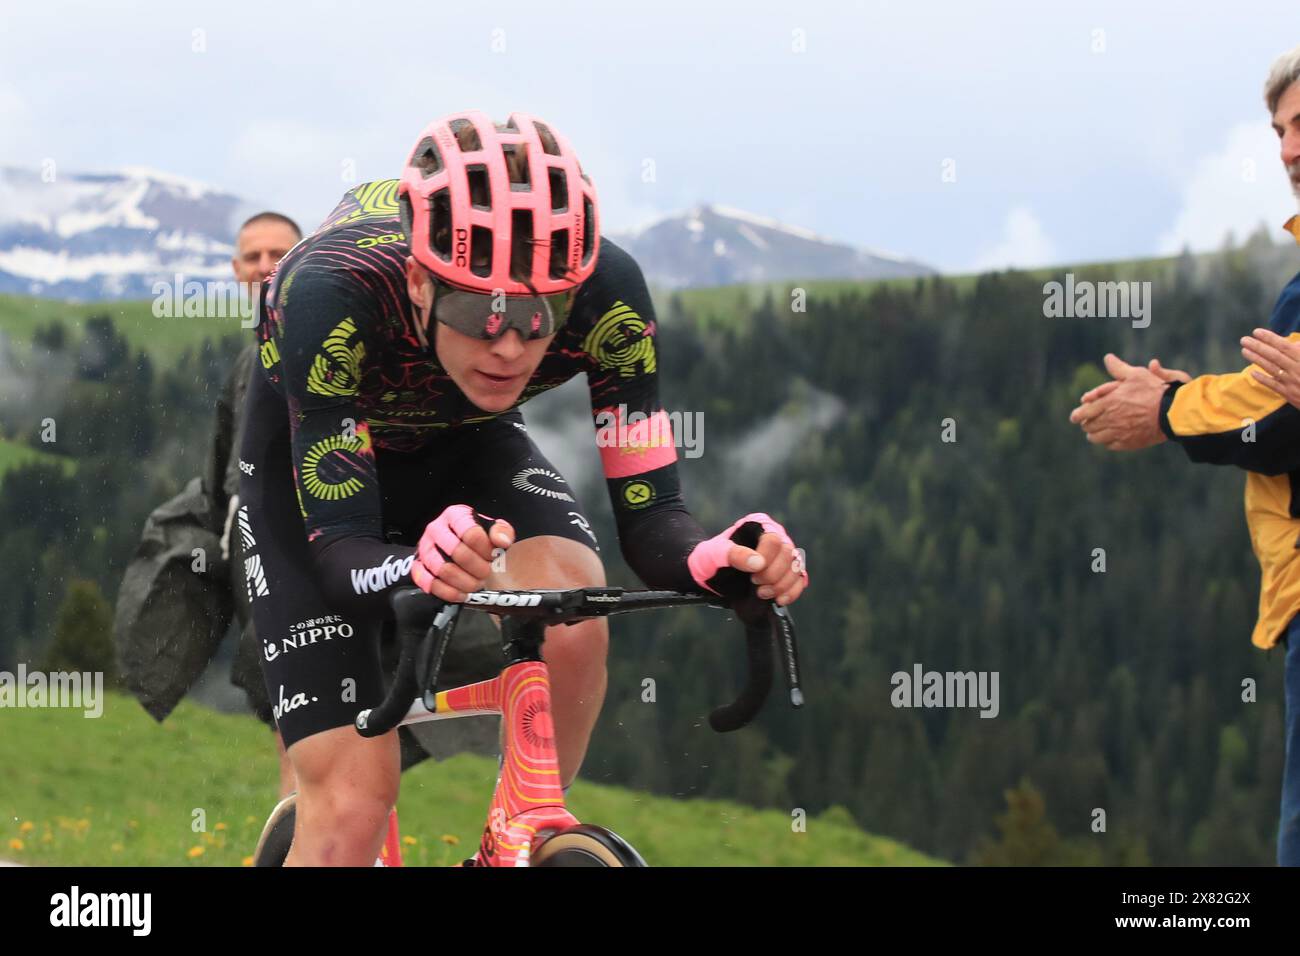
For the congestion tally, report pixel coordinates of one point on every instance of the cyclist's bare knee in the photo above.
(549, 561)
(578, 651)
(346, 786)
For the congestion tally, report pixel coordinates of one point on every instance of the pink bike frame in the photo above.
(528, 802)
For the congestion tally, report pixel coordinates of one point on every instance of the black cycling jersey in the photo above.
(338, 341)
(321, 658)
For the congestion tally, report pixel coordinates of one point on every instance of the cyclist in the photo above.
(383, 447)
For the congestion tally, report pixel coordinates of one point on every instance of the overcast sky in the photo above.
(1076, 132)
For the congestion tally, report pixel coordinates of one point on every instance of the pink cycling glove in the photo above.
(709, 557)
(439, 540)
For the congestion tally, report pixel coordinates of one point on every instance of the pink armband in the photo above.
(632, 444)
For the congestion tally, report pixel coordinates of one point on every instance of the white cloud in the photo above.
(297, 168)
(1023, 245)
(627, 202)
(1234, 190)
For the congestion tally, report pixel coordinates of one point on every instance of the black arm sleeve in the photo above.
(357, 572)
(327, 320)
(656, 531)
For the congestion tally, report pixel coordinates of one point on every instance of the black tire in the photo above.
(586, 845)
(277, 835)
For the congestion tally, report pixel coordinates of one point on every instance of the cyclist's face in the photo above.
(491, 372)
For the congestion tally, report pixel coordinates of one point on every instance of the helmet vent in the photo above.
(588, 234)
(440, 224)
(426, 158)
(480, 193)
(559, 248)
(559, 190)
(405, 211)
(466, 135)
(516, 157)
(480, 251)
(549, 145)
(521, 251)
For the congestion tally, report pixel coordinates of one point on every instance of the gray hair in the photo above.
(1284, 72)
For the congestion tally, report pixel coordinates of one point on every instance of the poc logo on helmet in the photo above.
(462, 246)
(504, 600)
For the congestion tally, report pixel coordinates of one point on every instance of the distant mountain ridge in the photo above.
(108, 236)
(710, 245)
(102, 236)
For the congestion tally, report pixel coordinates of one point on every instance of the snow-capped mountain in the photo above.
(715, 245)
(95, 237)
(110, 235)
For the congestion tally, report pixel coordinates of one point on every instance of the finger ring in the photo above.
(796, 563)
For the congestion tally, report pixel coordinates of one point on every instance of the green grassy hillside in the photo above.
(122, 790)
(165, 339)
(721, 304)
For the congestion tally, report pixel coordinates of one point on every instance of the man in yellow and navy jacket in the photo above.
(1237, 419)
(1234, 420)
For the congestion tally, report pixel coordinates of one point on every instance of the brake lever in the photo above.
(789, 648)
(428, 662)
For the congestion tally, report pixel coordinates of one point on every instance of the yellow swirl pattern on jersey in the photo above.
(336, 370)
(318, 487)
(377, 200)
(620, 340)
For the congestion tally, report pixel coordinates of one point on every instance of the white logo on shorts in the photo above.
(287, 704)
(246, 530)
(254, 575)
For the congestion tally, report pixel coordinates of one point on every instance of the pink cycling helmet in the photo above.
(499, 207)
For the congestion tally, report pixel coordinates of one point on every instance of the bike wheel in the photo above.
(277, 835)
(586, 845)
